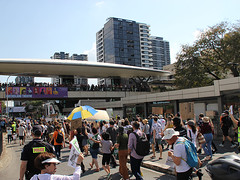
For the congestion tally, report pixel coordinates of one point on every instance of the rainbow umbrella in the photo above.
(82, 112)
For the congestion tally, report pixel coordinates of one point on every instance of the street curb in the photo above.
(157, 167)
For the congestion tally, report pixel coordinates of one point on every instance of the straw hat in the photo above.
(145, 121)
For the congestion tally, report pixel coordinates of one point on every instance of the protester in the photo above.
(94, 140)
(235, 121)
(31, 151)
(122, 145)
(107, 147)
(226, 123)
(206, 130)
(177, 123)
(183, 170)
(146, 129)
(79, 135)
(157, 138)
(113, 136)
(21, 134)
(59, 141)
(9, 135)
(135, 159)
(46, 163)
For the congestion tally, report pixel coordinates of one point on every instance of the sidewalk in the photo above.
(160, 165)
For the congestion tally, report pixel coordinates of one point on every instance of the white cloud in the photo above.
(99, 4)
(197, 34)
(91, 53)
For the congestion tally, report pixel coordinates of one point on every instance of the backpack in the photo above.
(227, 121)
(143, 146)
(192, 158)
(59, 137)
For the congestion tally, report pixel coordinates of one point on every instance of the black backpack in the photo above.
(143, 146)
(227, 121)
(59, 137)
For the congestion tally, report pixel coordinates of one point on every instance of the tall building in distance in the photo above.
(70, 79)
(128, 42)
(160, 52)
(24, 79)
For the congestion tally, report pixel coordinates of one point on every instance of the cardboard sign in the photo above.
(76, 124)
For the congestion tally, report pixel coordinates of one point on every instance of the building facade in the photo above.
(24, 79)
(128, 42)
(160, 52)
(70, 79)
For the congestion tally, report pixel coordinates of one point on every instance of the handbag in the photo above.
(201, 138)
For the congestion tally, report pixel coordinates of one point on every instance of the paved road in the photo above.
(10, 163)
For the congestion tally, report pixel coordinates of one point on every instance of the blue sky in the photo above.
(38, 28)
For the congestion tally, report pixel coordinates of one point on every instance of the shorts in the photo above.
(157, 141)
(84, 142)
(225, 131)
(21, 137)
(94, 153)
(106, 159)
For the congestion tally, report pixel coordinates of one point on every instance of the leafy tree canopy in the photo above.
(213, 56)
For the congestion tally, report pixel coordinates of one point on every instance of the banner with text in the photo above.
(37, 92)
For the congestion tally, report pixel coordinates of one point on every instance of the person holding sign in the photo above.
(46, 163)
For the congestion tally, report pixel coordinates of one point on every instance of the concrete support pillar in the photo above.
(176, 106)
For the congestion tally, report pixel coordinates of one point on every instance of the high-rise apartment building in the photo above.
(69, 79)
(125, 42)
(24, 79)
(160, 52)
(128, 42)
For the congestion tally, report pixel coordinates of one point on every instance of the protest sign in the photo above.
(75, 151)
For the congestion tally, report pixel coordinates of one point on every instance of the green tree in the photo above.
(35, 108)
(212, 57)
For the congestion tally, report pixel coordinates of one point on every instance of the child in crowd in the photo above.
(9, 135)
(14, 137)
(107, 147)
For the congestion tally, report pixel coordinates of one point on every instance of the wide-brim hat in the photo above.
(145, 121)
(169, 133)
(206, 119)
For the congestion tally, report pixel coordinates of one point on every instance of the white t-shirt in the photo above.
(193, 136)
(158, 128)
(179, 151)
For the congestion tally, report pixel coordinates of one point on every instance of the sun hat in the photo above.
(145, 121)
(206, 119)
(51, 160)
(160, 116)
(169, 133)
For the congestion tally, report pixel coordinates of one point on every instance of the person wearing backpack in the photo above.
(226, 123)
(179, 154)
(59, 141)
(135, 159)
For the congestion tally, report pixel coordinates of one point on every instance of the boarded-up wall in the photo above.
(157, 110)
(186, 110)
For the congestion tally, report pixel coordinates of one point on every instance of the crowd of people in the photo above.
(118, 139)
(79, 87)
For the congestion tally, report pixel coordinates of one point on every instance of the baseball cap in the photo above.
(169, 133)
(226, 112)
(37, 130)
